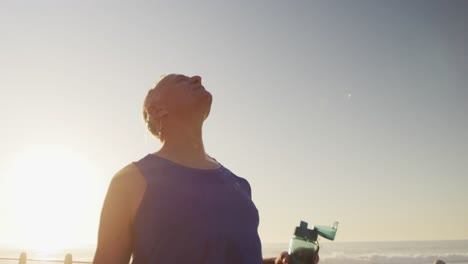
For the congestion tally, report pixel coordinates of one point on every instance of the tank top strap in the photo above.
(150, 169)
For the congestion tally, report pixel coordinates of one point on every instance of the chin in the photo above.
(210, 101)
(206, 115)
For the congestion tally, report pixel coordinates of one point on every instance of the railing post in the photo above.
(68, 259)
(22, 258)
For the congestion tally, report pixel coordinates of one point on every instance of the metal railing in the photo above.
(23, 259)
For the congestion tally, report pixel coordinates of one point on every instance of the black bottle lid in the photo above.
(305, 233)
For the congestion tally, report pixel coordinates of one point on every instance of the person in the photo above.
(179, 204)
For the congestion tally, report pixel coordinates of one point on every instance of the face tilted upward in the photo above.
(184, 96)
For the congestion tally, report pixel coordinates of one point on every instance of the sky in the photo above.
(349, 111)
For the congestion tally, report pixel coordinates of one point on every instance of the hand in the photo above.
(283, 258)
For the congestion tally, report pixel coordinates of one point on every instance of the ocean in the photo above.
(414, 252)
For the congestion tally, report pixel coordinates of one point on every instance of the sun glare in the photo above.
(49, 193)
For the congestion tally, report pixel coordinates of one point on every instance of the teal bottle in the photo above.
(303, 246)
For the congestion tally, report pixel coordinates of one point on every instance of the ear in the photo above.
(156, 112)
(160, 112)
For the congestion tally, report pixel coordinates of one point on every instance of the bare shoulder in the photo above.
(127, 174)
(129, 178)
(115, 228)
(131, 181)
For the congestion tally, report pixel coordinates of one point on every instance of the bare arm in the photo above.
(114, 237)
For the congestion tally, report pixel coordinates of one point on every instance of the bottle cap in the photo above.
(304, 232)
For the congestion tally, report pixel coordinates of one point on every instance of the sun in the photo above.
(49, 192)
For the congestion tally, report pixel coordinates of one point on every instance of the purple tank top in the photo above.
(190, 215)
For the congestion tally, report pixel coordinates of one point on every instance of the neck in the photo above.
(183, 142)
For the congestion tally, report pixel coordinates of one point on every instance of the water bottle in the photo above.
(303, 246)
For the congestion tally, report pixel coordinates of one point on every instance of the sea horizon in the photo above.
(414, 252)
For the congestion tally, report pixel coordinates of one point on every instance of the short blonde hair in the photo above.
(153, 124)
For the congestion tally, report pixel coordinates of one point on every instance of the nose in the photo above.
(196, 79)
